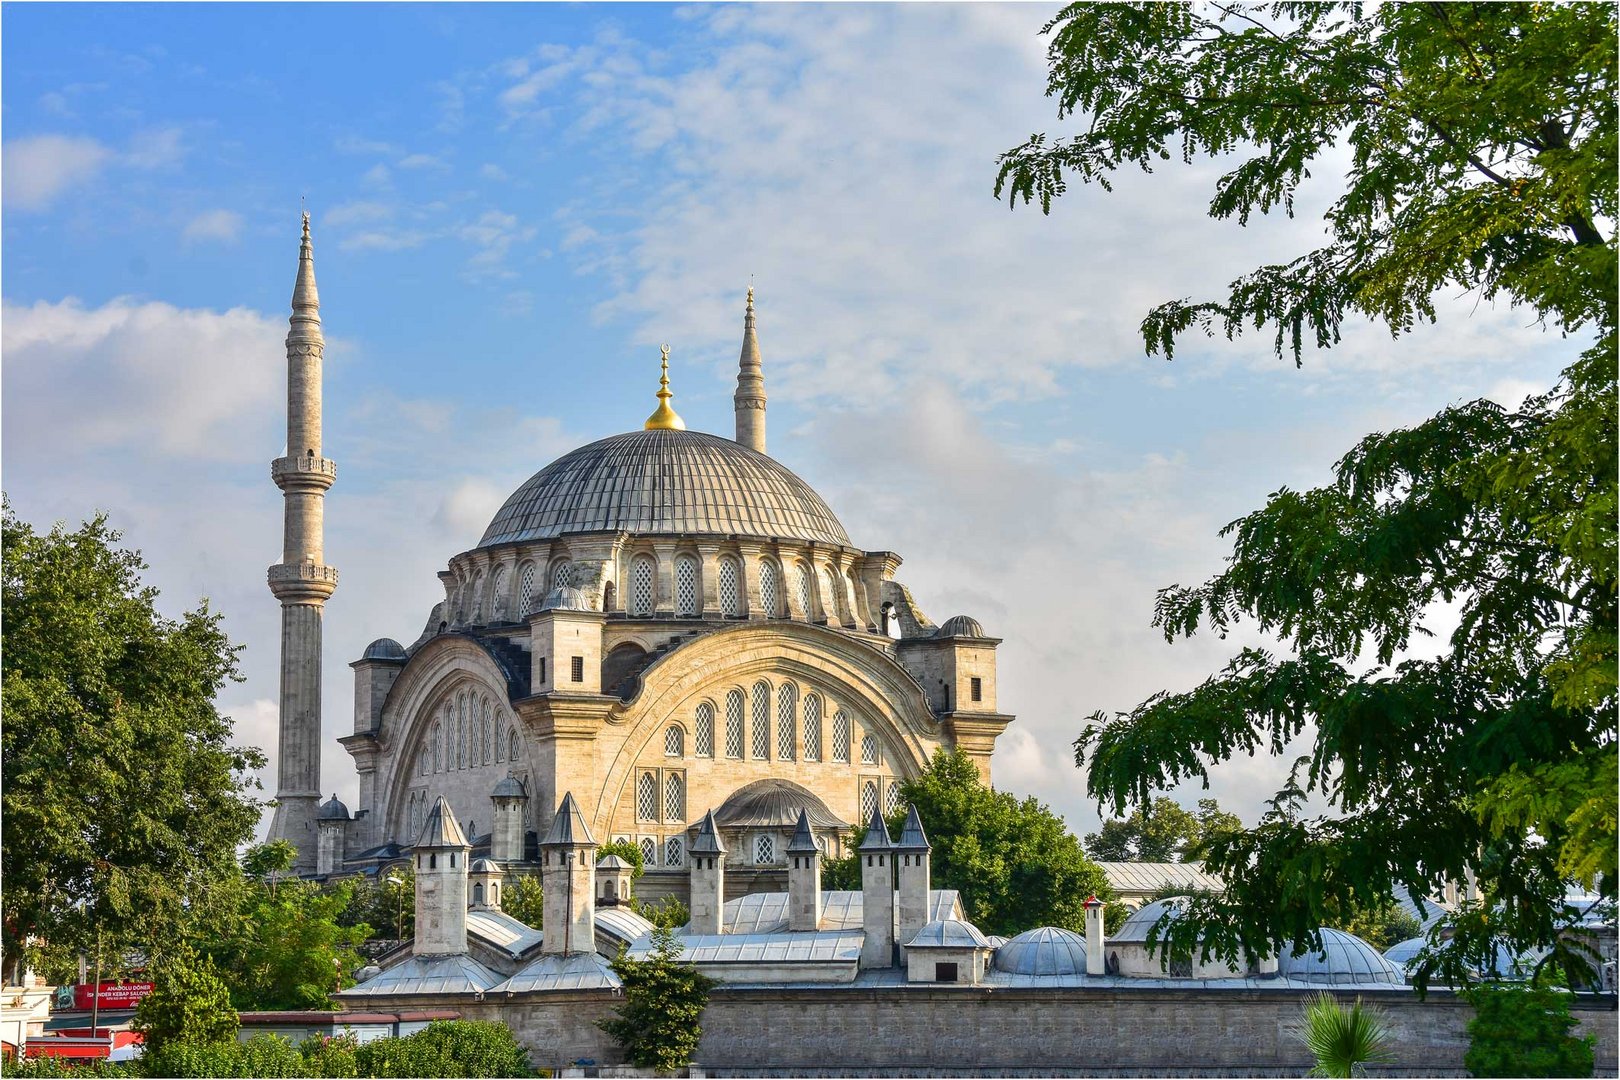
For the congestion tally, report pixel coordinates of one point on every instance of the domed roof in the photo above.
(332, 810)
(1134, 930)
(1046, 950)
(484, 866)
(565, 598)
(773, 802)
(384, 648)
(1345, 960)
(948, 934)
(664, 482)
(509, 787)
(960, 626)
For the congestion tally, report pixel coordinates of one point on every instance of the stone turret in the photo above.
(484, 882)
(911, 858)
(331, 821)
(707, 859)
(441, 853)
(301, 580)
(877, 894)
(1096, 961)
(804, 878)
(749, 401)
(613, 876)
(568, 881)
(506, 830)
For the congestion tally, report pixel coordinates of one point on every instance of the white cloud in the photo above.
(38, 168)
(156, 149)
(221, 225)
(421, 161)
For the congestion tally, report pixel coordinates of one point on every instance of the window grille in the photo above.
(674, 852)
(512, 748)
(762, 720)
(649, 851)
(647, 797)
(769, 586)
(438, 742)
(801, 584)
(869, 750)
(562, 574)
(812, 728)
(731, 594)
(674, 798)
(829, 598)
(891, 797)
(576, 668)
(500, 738)
(641, 585)
(704, 737)
(869, 797)
(840, 738)
(489, 733)
(461, 731)
(525, 589)
(423, 763)
(764, 849)
(734, 724)
(686, 585)
(978, 688)
(787, 728)
(674, 741)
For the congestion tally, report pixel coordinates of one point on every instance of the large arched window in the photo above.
(801, 585)
(869, 799)
(770, 588)
(642, 572)
(762, 720)
(734, 724)
(686, 586)
(674, 798)
(562, 574)
(703, 737)
(812, 727)
(840, 738)
(787, 727)
(674, 741)
(525, 590)
(731, 589)
(647, 797)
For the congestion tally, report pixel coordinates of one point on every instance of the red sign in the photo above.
(113, 995)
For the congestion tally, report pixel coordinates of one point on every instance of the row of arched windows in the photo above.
(666, 804)
(471, 731)
(756, 739)
(477, 605)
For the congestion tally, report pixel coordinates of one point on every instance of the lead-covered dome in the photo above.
(665, 482)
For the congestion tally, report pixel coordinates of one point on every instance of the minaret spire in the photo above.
(301, 580)
(749, 400)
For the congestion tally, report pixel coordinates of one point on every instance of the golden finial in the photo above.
(750, 298)
(664, 418)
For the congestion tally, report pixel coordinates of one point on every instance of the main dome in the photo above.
(665, 482)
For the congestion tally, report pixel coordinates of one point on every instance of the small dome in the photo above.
(1345, 960)
(948, 934)
(485, 866)
(564, 598)
(332, 810)
(960, 626)
(774, 803)
(384, 648)
(1046, 950)
(1134, 930)
(510, 787)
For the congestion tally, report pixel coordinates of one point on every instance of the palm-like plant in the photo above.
(1344, 1041)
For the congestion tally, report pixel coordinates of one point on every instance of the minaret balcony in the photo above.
(306, 472)
(292, 582)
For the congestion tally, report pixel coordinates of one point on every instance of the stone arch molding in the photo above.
(887, 700)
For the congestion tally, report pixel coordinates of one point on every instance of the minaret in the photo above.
(301, 580)
(749, 401)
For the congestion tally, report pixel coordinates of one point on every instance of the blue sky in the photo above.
(513, 205)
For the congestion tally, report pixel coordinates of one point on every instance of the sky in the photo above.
(513, 205)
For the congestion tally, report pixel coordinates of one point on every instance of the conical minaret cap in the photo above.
(877, 833)
(306, 299)
(912, 837)
(568, 828)
(803, 843)
(707, 841)
(441, 829)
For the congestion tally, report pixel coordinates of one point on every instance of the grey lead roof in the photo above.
(948, 934)
(1046, 950)
(458, 974)
(912, 837)
(1151, 877)
(441, 829)
(568, 828)
(502, 931)
(810, 946)
(575, 971)
(803, 843)
(774, 803)
(841, 909)
(665, 482)
(877, 833)
(707, 841)
(1344, 960)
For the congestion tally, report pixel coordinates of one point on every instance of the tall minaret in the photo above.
(749, 400)
(301, 580)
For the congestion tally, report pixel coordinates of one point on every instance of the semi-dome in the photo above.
(960, 626)
(775, 803)
(565, 598)
(384, 648)
(332, 810)
(1046, 950)
(1344, 960)
(665, 482)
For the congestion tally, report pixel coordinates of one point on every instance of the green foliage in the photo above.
(1524, 1031)
(1344, 1041)
(52, 1068)
(330, 1056)
(189, 1004)
(628, 851)
(1483, 158)
(123, 798)
(522, 898)
(451, 1048)
(260, 1056)
(288, 948)
(657, 1026)
(1162, 831)
(387, 904)
(1380, 925)
(668, 911)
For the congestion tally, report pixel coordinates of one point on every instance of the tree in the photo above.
(1162, 831)
(1524, 1031)
(522, 898)
(657, 1026)
(1344, 1041)
(290, 949)
(189, 1003)
(1483, 159)
(1380, 926)
(627, 850)
(124, 799)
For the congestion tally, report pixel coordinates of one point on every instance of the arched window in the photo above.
(497, 595)
(674, 741)
(562, 574)
(829, 599)
(734, 724)
(424, 760)
(891, 797)
(642, 571)
(703, 738)
(461, 731)
(512, 747)
(812, 727)
(869, 797)
(731, 591)
(610, 597)
(647, 797)
(500, 736)
(770, 589)
(869, 750)
(840, 738)
(438, 744)
(478, 892)
(674, 852)
(649, 851)
(487, 751)
(525, 589)
(764, 849)
(787, 727)
(686, 585)
(801, 585)
(762, 720)
(674, 798)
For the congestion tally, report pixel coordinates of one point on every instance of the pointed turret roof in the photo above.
(568, 828)
(803, 843)
(707, 841)
(306, 299)
(877, 833)
(912, 837)
(441, 829)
